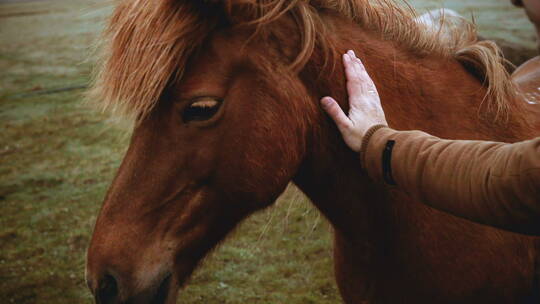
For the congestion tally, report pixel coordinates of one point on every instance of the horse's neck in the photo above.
(431, 94)
(339, 188)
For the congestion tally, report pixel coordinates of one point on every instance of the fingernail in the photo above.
(326, 101)
(346, 57)
(353, 55)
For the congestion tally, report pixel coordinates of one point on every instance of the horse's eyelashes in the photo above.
(201, 109)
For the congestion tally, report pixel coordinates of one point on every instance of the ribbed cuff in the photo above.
(365, 142)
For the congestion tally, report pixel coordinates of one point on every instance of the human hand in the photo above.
(365, 108)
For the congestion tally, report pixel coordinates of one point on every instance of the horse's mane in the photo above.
(148, 43)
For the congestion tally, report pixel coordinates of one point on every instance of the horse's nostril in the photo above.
(107, 291)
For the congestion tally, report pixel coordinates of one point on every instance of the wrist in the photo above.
(365, 141)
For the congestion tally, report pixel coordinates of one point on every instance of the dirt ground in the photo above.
(57, 158)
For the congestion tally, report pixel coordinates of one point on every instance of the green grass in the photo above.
(56, 163)
(57, 158)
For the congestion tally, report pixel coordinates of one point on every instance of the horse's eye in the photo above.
(201, 109)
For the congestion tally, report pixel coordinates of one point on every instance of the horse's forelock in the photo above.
(146, 45)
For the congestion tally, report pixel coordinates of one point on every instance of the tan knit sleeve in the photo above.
(491, 183)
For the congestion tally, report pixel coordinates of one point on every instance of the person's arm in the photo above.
(491, 183)
(487, 182)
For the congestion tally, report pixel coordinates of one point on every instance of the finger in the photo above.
(359, 84)
(354, 80)
(348, 63)
(356, 64)
(355, 73)
(334, 110)
(359, 68)
(364, 75)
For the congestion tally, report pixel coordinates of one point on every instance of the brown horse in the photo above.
(225, 96)
(527, 79)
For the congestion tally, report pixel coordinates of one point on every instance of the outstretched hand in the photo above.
(365, 108)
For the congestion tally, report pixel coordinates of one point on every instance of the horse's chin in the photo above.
(165, 293)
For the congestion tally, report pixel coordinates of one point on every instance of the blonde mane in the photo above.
(147, 44)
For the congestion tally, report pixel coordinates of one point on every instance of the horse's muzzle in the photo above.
(108, 291)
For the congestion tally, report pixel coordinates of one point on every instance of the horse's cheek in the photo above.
(259, 161)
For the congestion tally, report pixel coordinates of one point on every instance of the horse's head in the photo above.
(219, 143)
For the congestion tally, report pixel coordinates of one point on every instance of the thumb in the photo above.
(334, 110)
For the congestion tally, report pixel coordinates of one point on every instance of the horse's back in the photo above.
(527, 79)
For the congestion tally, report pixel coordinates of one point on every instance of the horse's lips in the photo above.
(164, 293)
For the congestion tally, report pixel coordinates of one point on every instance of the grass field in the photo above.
(57, 158)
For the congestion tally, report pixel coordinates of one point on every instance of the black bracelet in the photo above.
(365, 141)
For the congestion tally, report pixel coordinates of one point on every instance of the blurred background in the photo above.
(57, 158)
